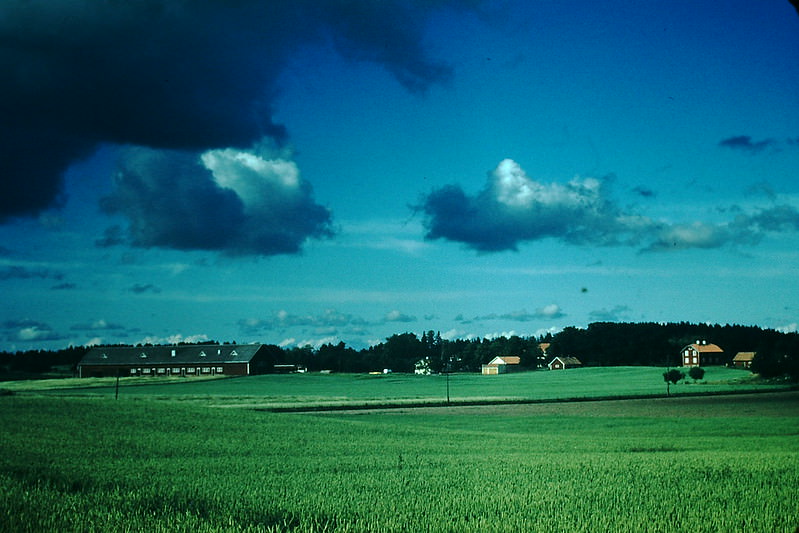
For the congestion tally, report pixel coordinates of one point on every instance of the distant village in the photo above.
(247, 359)
(768, 353)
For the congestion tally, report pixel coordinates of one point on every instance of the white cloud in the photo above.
(397, 316)
(513, 208)
(174, 339)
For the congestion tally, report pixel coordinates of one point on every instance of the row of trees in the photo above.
(600, 344)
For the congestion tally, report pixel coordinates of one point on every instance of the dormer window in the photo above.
(143, 355)
(233, 352)
(104, 356)
(202, 353)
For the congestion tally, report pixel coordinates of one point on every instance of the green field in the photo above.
(166, 458)
(313, 390)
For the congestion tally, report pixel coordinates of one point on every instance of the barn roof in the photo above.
(506, 360)
(178, 355)
(744, 356)
(568, 360)
(706, 348)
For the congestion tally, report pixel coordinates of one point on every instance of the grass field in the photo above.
(163, 458)
(313, 390)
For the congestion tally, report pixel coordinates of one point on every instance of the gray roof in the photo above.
(194, 354)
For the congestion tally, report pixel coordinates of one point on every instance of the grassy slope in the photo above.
(84, 465)
(359, 389)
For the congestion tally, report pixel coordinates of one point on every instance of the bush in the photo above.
(696, 373)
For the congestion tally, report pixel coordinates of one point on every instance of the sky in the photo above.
(307, 172)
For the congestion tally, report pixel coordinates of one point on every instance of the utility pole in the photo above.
(447, 373)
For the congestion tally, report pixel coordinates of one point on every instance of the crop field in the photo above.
(148, 463)
(320, 390)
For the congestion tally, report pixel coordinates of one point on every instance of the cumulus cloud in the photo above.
(238, 201)
(513, 208)
(609, 315)
(27, 330)
(550, 311)
(97, 325)
(172, 74)
(329, 320)
(397, 316)
(174, 339)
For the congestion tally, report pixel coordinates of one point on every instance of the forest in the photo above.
(599, 344)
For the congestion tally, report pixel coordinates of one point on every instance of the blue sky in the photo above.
(308, 172)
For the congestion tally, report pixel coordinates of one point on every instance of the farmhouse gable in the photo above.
(502, 365)
(702, 353)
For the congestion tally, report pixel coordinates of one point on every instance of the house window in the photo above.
(695, 359)
(132, 370)
(176, 371)
(162, 370)
(206, 370)
(219, 370)
(190, 371)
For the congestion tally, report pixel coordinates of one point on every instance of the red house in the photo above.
(702, 353)
(562, 363)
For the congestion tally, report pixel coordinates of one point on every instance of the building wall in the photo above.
(162, 370)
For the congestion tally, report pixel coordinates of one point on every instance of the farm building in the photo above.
(743, 359)
(182, 360)
(502, 365)
(701, 353)
(562, 363)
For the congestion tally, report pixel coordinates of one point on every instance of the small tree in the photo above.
(696, 373)
(672, 376)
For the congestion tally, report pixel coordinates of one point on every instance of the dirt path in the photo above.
(768, 404)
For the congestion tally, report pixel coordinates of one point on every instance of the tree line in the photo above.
(599, 344)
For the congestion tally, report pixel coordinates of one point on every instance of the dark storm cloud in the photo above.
(141, 288)
(170, 74)
(745, 143)
(644, 192)
(512, 208)
(63, 287)
(236, 201)
(21, 272)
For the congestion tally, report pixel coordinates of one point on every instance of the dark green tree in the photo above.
(696, 373)
(672, 376)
